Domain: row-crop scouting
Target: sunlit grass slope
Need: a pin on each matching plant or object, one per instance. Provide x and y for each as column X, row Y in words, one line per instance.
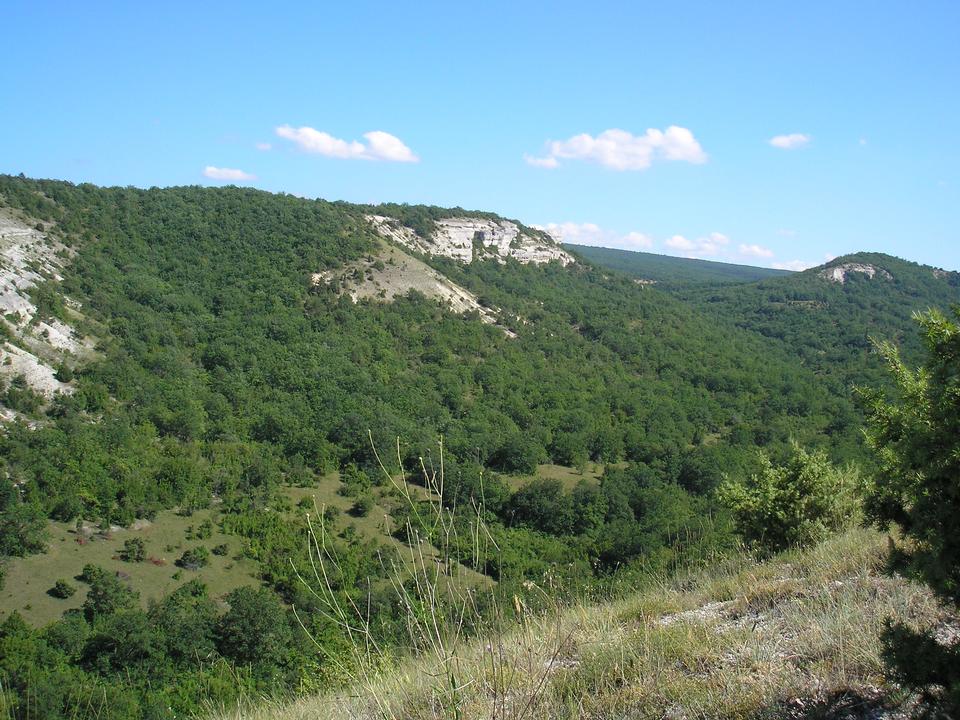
column 793, row 636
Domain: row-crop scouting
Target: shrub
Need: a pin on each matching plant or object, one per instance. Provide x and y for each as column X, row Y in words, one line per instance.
column 798, row 503
column 134, row 550
column 362, row 507
column 204, row 530
column 90, row 573
column 194, row 558
column 355, row 481
column 62, row 589
column 64, row 373
column 916, row 436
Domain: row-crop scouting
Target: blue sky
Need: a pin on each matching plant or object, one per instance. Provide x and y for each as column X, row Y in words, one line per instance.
column 510, row 106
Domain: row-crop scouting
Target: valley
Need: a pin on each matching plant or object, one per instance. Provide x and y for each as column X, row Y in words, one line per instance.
column 324, row 419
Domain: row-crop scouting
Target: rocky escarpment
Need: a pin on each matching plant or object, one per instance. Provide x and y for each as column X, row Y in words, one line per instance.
column 466, row 239
column 838, row 273
column 35, row 343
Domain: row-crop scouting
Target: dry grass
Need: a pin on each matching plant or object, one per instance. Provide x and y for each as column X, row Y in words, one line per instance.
column 792, row 636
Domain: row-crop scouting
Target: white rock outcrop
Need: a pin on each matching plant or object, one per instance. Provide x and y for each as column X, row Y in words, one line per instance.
column 838, row 273
column 28, row 257
column 467, row 239
column 392, row 273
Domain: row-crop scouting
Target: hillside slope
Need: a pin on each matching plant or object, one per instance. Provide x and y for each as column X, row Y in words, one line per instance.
column 826, row 316
column 668, row 270
column 795, row 636
column 254, row 348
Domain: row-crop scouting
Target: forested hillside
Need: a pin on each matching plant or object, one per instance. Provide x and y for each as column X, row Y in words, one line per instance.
column 827, row 316
column 668, row 270
column 226, row 374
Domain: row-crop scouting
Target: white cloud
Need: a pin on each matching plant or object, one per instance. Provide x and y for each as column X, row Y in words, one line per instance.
column 592, row 234
column 679, row 242
column 712, row 246
column 621, row 150
column 264, row 146
column 230, row 174
column 793, row 265
column 756, row 251
column 544, row 162
column 789, row 142
column 706, row 246
column 638, row 240
column 379, row 146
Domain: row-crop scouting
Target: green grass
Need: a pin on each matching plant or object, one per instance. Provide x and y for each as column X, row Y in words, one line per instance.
column 568, row 477
column 28, row 579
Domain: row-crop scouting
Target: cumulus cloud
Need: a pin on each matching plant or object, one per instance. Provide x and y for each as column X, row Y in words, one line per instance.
column 263, row 146
column 712, row 246
column 379, row 145
column 796, row 265
column 638, row 240
column 621, row 150
column 706, row 246
column 592, row 234
column 789, row 142
column 230, row 174
column 755, row 251
column 544, row 162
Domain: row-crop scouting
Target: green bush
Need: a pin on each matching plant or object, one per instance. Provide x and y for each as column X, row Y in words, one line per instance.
column 134, row 550
column 194, row 558
column 797, row 503
column 62, row 589
column 916, row 436
column 362, row 507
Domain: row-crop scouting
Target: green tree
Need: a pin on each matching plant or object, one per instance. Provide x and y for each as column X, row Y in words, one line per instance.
column 106, row 596
column 185, row 621
column 915, row 433
column 543, row 505
column 23, row 526
column 255, row 628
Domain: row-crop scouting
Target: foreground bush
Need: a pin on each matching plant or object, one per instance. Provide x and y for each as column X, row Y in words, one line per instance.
column 916, row 435
column 795, row 504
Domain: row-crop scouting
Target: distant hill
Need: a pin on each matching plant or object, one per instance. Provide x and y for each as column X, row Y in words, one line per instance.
column 827, row 315
column 665, row 269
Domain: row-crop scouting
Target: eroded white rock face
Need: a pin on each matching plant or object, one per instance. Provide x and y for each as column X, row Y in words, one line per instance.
column 28, row 257
column 392, row 273
column 468, row 239
column 16, row 361
column 838, row 273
